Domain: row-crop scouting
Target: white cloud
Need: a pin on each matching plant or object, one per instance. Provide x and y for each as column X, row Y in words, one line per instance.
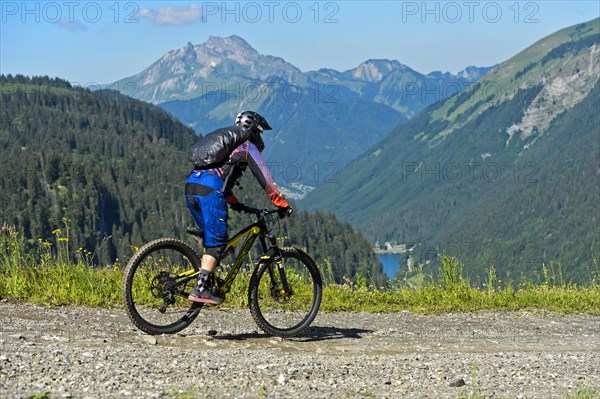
column 168, row 15
column 72, row 25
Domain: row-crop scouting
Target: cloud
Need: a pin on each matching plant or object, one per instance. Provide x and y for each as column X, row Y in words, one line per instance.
column 168, row 15
column 72, row 25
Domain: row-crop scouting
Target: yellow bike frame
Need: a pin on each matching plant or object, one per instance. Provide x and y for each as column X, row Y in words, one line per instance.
column 251, row 233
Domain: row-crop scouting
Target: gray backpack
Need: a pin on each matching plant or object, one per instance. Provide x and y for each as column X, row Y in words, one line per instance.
column 214, row 149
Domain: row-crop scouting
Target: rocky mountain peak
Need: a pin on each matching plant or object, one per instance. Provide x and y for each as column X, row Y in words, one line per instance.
column 188, row 71
column 473, row 73
column 180, row 73
column 228, row 45
column 374, row 70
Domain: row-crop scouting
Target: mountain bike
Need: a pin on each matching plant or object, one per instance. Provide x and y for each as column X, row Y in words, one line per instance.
column 284, row 292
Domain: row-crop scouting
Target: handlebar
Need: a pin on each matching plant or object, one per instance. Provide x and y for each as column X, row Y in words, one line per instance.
column 261, row 213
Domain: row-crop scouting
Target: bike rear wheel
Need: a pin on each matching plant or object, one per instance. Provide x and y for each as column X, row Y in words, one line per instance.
column 281, row 311
column 156, row 284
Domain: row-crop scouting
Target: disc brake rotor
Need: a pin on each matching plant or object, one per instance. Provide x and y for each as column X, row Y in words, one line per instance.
column 162, row 287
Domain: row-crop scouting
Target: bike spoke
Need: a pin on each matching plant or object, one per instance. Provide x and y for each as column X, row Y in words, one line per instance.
column 284, row 302
column 158, row 281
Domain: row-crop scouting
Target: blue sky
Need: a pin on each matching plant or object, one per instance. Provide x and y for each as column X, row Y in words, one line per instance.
column 90, row 42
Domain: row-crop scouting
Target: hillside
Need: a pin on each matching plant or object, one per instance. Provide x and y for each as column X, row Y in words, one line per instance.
column 322, row 120
column 108, row 171
column 503, row 174
column 309, row 142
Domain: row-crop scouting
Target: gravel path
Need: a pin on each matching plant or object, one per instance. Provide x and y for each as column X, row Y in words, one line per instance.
column 78, row 352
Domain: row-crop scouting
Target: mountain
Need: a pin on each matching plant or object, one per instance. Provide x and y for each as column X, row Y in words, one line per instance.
column 310, row 141
column 322, row 120
column 195, row 70
column 108, row 171
column 397, row 85
column 505, row 173
column 469, row 74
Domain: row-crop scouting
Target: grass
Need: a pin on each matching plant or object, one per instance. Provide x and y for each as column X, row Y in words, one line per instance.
column 44, row 274
column 39, row 395
column 187, row 393
column 473, row 390
column 583, row 393
column 449, row 291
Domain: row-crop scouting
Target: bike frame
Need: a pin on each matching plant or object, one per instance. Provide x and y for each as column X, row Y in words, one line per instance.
column 256, row 230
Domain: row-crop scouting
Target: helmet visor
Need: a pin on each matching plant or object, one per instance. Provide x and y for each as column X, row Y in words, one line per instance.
column 263, row 124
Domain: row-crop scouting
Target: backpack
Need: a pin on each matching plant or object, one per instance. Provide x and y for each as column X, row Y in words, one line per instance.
column 214, row 149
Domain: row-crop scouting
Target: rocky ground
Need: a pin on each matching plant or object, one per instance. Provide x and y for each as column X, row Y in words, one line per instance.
column 79, row 352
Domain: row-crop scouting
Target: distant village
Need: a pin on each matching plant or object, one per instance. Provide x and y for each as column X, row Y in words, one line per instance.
column 393, row 248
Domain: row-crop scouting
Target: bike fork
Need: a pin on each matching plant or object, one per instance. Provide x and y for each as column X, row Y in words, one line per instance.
column 275, row 267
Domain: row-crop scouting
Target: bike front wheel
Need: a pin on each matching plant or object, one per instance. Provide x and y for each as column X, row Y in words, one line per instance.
column 285, row 297
column 156, row 284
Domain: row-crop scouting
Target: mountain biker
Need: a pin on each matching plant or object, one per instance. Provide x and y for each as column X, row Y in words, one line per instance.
column 208, row 191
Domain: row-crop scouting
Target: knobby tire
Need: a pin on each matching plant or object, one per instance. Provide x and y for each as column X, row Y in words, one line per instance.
column 144, row 288
column 277, row 312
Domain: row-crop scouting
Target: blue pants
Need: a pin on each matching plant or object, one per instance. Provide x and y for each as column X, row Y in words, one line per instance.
column 207, row 204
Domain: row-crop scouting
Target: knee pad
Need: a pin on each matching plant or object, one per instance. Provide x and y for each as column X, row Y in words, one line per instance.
column 215, row 252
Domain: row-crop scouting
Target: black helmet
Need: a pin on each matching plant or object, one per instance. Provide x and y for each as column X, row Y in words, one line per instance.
column 254, row 122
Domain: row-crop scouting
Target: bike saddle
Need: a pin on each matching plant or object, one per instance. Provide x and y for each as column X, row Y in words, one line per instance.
column 196, row 231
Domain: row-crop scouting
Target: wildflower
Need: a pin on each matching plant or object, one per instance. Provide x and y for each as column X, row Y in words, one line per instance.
column 44, row 243
column 10, row 230
column 57, row 232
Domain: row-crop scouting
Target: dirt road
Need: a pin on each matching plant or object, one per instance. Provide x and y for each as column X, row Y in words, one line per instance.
column 82, row 352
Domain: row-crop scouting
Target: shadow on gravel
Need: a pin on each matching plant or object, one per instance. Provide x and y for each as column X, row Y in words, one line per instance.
column 241, row 337
column 311, row 335
column 327, row 333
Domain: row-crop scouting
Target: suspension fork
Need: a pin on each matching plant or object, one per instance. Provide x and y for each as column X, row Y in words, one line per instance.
column 275, row 265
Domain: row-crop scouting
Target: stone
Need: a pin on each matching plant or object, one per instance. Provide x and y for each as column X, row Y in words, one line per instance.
column 458, row 382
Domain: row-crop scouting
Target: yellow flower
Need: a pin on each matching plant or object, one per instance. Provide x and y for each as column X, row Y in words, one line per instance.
column 56, row 232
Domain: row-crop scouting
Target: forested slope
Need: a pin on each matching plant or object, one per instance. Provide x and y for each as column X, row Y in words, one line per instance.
column 504, row 174
column 108, row 171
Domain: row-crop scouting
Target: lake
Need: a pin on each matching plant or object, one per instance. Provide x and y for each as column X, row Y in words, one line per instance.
column 391, row 264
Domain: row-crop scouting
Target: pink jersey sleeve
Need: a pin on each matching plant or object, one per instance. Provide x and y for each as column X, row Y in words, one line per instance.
column 262, row 173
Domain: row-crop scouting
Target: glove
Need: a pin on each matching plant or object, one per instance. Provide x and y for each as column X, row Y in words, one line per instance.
column 284, row 211
column 238, row 207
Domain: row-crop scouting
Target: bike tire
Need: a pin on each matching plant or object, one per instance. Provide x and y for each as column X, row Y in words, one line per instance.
column 145, row 292
column 276, row 312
